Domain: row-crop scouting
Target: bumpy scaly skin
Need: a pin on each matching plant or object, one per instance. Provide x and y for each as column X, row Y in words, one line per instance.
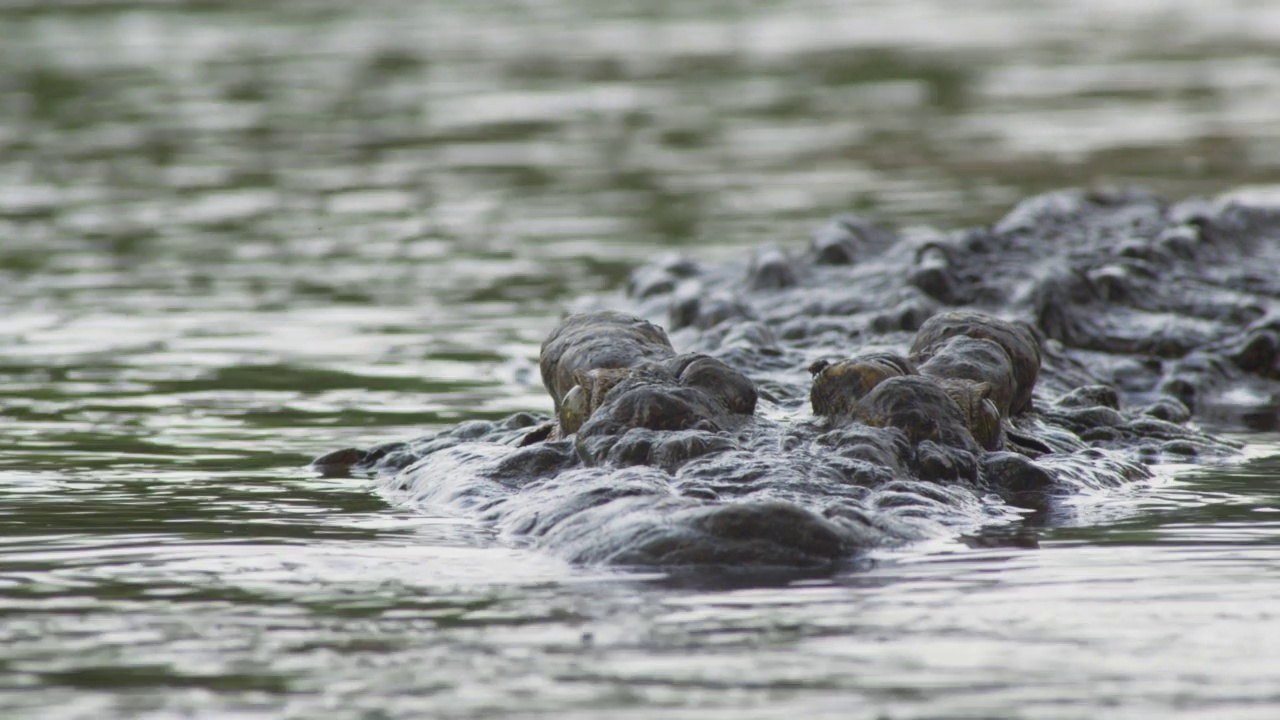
column 598, row 341
column 838, row 386
column 937, row 340
column 1060, row 349
column 979, row 361
column 622, row 386
column 590, row 389
column 981, row 415
column 918, row 406
column 974, row 373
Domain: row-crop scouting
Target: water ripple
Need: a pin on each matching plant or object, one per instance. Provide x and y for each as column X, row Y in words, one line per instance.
column 236, row 235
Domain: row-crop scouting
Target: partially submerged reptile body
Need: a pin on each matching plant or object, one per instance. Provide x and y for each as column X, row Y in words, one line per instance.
column 874, row 388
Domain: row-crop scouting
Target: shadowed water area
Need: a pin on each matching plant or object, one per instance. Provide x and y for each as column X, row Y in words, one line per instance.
column 236, row 235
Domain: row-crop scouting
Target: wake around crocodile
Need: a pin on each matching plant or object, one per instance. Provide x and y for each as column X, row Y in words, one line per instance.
column 874, row 388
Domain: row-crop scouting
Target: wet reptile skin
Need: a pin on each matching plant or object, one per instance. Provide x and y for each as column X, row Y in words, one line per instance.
column 873, row 388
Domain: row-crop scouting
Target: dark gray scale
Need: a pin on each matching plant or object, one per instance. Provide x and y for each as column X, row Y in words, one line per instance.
column 597, row 340
column 1017, row 340
column 920, row 408
column 622, row 370
column 837, row 387
column 730, row 388
column 981, row 415
column 977, row 360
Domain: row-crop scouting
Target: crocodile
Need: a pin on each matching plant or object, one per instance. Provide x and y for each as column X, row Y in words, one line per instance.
column 875, row 387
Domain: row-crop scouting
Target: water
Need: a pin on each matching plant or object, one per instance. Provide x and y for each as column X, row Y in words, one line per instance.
column 235, row 235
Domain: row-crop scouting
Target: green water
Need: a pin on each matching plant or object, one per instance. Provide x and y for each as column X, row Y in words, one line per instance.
column 235, row 235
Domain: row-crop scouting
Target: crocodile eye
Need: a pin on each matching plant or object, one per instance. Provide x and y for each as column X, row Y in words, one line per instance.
column 573, row 410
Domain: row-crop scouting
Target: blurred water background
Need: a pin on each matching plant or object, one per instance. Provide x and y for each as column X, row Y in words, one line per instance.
column 237, row 234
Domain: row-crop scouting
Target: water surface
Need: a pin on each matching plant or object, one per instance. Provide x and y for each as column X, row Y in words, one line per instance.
column 235, row 235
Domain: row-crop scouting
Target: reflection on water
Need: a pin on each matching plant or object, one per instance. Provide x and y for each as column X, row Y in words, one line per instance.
column 312, row 602
column 234, row 235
